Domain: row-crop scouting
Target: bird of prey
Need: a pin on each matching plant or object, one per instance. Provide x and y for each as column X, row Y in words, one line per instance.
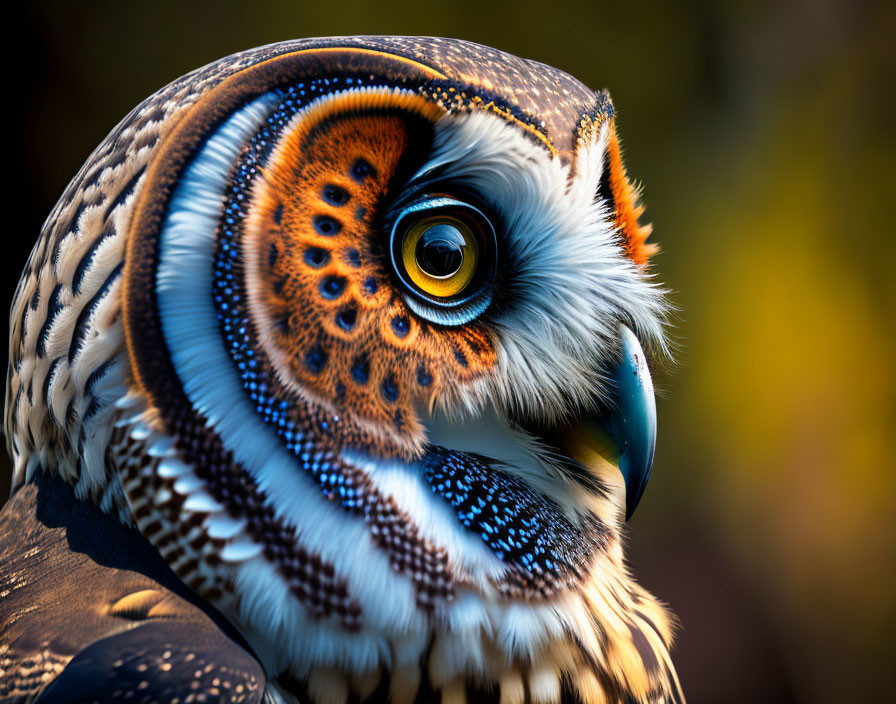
column 328, row 384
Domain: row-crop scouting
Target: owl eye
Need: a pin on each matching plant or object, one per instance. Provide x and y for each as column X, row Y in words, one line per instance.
column 443, row 251
column 440, row 255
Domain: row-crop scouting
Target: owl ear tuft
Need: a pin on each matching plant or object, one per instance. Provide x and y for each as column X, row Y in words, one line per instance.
column 625, row 199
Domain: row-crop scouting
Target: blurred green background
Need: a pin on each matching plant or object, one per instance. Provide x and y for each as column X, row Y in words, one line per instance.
column 765, row 136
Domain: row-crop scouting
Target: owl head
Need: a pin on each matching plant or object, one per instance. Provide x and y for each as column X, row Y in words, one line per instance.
column 352, row 331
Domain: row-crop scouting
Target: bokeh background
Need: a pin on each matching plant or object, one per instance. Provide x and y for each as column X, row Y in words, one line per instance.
column 765, row 136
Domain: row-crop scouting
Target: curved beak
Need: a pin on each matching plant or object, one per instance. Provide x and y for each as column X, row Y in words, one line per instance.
column 632, row 424
column 624, row 437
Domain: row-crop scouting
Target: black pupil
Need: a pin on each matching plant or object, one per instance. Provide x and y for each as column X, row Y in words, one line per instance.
column 440, row 250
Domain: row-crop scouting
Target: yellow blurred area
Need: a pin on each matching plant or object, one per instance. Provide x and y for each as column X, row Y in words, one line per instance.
column 765, row 136
column 790, row 371
column 785, row 409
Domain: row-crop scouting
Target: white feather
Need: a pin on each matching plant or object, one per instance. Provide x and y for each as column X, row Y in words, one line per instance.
column 222, row 526
column 203, row 502
column 170, row 468
column 240, row 551
column 573, row 281
column 187, row 484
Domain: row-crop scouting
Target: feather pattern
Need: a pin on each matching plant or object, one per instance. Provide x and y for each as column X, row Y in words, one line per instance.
column 317, row 478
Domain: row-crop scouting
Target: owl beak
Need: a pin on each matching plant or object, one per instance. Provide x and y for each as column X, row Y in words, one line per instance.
column 625, row 436
column 633, row 422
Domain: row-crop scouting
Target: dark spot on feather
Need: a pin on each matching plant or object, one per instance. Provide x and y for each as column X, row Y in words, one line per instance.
column 326, row 225
column 389, row 388
column 335, row 195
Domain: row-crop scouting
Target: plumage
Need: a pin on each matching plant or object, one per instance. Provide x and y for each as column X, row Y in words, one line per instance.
column 349, row 336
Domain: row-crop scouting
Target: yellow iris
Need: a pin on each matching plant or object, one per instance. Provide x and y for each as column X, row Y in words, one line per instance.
column 440, row 254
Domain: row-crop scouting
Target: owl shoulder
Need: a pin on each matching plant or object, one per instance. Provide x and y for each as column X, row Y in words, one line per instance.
column 90, row 612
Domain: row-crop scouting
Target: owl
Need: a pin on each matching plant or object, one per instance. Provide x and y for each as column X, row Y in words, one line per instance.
column 328, row 384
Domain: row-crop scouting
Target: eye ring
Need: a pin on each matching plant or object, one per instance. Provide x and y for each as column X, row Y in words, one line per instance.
column 443, row 251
